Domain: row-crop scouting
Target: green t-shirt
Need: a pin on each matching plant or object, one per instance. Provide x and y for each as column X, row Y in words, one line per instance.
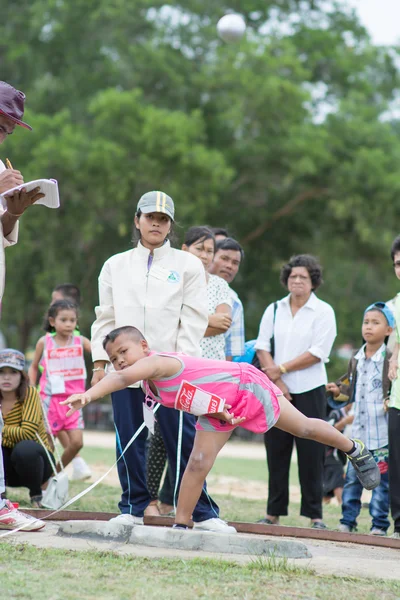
column 395, row 393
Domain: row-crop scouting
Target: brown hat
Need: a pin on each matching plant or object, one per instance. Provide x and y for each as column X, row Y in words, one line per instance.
column 12, row 104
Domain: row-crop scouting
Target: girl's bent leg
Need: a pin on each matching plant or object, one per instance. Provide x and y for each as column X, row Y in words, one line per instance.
column 207, row 445
column 75, row 444
column 294, row 422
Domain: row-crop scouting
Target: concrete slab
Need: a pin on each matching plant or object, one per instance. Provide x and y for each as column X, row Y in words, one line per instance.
column 191, row 540
column 328, row 558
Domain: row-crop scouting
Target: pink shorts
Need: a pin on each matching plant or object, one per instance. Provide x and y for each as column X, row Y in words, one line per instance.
column 256, row 399
column 57, row 416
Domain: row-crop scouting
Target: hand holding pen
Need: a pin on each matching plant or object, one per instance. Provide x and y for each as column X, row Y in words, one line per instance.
column 10, row 178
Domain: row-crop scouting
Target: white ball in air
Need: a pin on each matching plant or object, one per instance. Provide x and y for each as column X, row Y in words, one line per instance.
column 231, row 28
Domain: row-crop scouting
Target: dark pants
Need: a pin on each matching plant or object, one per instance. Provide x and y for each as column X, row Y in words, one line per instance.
column 128, row 416
column 155, row 466
column 394, row 465
column 26, row 465
column 310, row 457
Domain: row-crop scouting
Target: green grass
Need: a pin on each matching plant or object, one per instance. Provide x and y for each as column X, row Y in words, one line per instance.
column 92, row 575
column 106, row 497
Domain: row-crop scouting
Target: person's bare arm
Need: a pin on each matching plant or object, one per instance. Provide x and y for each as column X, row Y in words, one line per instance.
column 34, row 368
column 267, row 363
column 86, row 345
column 152, row 367
column 220, row 321
column 393, row 363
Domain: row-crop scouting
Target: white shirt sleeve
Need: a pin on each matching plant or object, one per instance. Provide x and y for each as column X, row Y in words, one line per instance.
column 223, row 293
column 323, row 334
column 266, row 330
column 194, row 311
column 105, row 317
column 12, row 237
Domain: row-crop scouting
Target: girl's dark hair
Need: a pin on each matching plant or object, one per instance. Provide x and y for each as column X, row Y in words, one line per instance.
column 199, row 233
column 53, row 311
column 395, row 247
column 22, row 389
column 136, row 237
column 303, row 260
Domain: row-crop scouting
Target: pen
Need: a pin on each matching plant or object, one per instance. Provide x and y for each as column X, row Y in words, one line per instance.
column 8, row 164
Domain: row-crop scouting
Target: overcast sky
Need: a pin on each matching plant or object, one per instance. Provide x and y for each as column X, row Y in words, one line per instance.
column 381, row 18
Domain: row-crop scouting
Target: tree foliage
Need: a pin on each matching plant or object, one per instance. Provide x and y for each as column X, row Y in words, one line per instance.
column 284, row 139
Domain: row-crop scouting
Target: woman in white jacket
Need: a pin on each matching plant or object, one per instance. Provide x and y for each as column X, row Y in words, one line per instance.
column 161, row 291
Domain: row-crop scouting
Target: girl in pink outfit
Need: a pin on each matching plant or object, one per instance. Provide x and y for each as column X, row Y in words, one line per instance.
column 224, row 395
column 61, row 354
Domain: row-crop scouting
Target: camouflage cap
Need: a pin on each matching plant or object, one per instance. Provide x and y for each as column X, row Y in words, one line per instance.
column 13, row 359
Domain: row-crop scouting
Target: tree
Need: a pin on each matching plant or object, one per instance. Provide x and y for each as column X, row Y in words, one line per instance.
column 280, row 138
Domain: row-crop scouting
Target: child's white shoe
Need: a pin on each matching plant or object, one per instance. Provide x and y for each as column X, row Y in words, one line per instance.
column 126, row 519
column 81, row 470
column 217, row 525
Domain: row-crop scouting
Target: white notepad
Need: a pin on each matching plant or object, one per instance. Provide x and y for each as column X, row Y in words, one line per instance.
column 48, row 187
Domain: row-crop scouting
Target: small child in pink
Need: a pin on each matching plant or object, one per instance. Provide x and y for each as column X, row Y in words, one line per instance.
column 224, row 395
column 64, row 373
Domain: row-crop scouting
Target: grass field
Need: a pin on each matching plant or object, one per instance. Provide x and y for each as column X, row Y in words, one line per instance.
column 105, row 497
column 27, row 573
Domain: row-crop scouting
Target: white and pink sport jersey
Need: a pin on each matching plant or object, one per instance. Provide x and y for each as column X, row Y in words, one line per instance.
column 64, row 368
column 249, row 391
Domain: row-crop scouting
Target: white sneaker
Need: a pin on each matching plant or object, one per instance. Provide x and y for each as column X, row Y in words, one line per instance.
column 395, row 535
column 378, row 531
column 81, row 470
column 345, row 528
column 11, row 518
column 216, row 524
column 125, row 519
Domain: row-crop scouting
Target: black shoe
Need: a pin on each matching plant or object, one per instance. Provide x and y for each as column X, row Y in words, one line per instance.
column 319, row 525
column 366, row 468
column 36, row 501
column 267, row 521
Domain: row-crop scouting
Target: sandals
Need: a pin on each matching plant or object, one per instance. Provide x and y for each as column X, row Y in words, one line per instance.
column 36, row 502
column 267, row 521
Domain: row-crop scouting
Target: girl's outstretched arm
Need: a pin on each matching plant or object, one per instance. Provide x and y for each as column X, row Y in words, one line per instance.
column 34, row 368
column 151, row 367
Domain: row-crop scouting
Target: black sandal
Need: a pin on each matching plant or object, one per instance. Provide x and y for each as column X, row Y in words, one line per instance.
column 36, row 501
column 267, row 521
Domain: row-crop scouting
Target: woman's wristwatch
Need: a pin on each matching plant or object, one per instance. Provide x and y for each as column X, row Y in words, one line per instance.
column 282, row 369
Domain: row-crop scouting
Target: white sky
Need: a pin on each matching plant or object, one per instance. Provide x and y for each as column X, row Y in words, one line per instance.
column 381, row 18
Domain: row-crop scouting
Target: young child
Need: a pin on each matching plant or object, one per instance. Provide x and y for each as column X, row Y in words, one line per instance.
column 69, row 291
column 64, row 373
column 394, row 405
column 250, row 400
column 368, row 388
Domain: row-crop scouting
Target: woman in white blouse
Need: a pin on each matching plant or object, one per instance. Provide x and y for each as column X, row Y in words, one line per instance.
column 200, row 241
column 301, row 330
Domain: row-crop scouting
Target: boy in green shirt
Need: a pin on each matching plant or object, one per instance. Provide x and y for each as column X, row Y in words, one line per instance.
column 394, row 406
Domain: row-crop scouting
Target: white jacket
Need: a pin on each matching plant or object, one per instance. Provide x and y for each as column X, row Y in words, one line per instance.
column 4, row 242
column 167, row 303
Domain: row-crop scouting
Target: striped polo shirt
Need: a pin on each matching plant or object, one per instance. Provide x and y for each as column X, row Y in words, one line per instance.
column 24, row 420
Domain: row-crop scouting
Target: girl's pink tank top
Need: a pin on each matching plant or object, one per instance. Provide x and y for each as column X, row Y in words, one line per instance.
column 64, row 363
